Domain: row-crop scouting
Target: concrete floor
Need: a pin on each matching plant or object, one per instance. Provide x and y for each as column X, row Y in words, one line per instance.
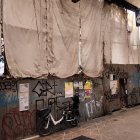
column 121, row 125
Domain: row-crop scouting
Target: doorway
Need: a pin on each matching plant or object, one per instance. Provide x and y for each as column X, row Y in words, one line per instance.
column 123, row 92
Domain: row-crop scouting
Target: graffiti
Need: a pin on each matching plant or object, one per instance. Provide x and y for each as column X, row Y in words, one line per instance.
column 43, row 88
column 16, row 124
column 8, row 85
column 56, row 101
column 8, row 100
column 118, row 72
column 93, row 107
column 135, row 79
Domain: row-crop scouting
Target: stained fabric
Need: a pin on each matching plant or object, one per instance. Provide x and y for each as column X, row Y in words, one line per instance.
column 58, row 36
column 65, row 37
column 115, row 36
column 91, row 47
column 25, row 37
column 120, row 36
column 133, row 39
column 106, row 34
column 41, row 37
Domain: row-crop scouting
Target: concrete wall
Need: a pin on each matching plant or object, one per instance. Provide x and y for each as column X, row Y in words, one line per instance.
column 132, row 85
column 17, row 125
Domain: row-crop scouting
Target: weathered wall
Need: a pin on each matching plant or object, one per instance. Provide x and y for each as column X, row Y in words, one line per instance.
column 113, row 102
column 17, row 125
column 132, row 86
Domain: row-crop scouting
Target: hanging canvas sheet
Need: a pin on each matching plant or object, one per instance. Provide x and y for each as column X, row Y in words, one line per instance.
column 133, row 39
column 91, row 47
column 41, row 37
column 25, row 37
column 120, row 36
column 114, row 33
column 65, row 37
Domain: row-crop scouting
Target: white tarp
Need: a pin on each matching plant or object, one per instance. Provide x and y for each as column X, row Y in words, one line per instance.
column 133, row 39
column 115, row 37
column 42, row 36
column 65, row 37
column 92, row 47
column 25, row 37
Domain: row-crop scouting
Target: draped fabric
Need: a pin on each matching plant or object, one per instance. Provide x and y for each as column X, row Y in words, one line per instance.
column 119, row 43
column 65, row 37
column 59, row 36
column 115, row 36
column 41, row 37
column 120, row 36
column 25, row 37
column 134, row 39
column 106, row 34
column 92, row 47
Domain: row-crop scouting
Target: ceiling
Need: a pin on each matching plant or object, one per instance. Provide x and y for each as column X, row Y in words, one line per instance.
column 134, row 2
